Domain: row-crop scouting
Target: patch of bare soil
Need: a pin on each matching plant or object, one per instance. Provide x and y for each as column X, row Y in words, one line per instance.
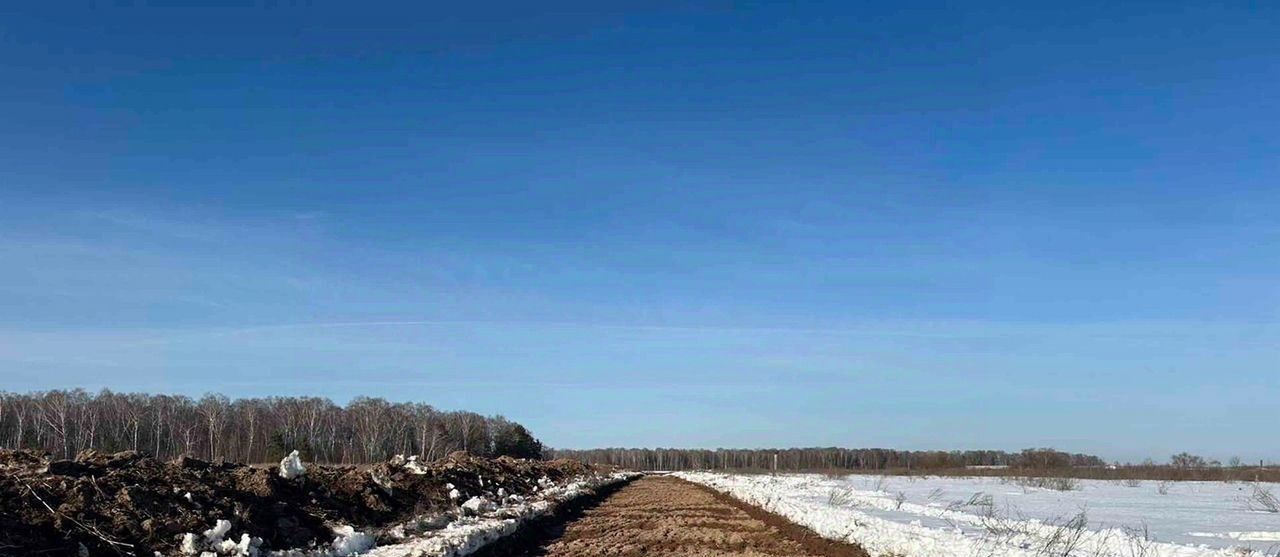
column 130, row 504
column 666, row 516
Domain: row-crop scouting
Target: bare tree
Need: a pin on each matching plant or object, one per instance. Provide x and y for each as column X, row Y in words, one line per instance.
column 1187, row 460
column 53, row 413
column 248, row 430
column 213, row 408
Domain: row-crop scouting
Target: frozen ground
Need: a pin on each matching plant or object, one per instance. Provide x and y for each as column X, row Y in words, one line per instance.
column 923, row 517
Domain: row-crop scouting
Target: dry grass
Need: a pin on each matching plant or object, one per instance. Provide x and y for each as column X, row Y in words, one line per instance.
column 1262, row 499
column 1056, row 483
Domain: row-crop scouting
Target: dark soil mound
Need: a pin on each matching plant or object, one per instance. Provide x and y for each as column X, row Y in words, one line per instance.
column 130, row 504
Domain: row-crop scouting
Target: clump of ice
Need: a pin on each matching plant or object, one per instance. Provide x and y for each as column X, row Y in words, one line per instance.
column 384, row 483
column 350, row 542
column 220, row 529
column 478, row 505
column 409, row 463
column 188, row 546
column 212, row 543
column 413, row 466
column 291, row 466
column 246, row 547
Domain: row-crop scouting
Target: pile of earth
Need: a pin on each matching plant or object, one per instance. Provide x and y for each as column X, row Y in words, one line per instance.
column 130, row 504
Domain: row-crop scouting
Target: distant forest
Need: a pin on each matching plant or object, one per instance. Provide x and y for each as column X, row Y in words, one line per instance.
column 252, row 429
column 812, row 459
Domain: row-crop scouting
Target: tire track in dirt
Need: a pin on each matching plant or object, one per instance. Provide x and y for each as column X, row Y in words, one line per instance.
column 666, row 516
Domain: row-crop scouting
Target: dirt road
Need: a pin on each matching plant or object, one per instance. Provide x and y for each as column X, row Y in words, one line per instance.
column 665, row 516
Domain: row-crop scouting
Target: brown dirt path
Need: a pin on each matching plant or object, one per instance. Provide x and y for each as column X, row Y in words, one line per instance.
column 669, row 517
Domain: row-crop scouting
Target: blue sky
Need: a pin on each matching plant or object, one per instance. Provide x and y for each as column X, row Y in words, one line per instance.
column 912, row 225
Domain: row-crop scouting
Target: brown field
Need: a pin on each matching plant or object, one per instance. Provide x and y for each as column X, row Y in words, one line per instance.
column 665, row 516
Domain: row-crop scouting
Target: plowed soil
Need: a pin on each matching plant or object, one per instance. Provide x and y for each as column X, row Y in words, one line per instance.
column 128, row 504
column 665, row 516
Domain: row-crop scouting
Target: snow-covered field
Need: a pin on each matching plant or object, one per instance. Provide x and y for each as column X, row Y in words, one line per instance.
column 991, row 517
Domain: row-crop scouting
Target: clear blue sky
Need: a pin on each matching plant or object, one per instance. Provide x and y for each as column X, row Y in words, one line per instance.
column 885, row 224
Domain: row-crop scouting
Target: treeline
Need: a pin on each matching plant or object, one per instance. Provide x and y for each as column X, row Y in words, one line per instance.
column 251, row 429
column 828, row 458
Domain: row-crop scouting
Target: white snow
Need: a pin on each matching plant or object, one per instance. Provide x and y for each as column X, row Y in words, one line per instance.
column 988, row 517
column 188, row 546
column 291, row 466
column 410, row 463
column 351, row 542
column 213, row 543
column 1242, row 536
column 214, row 535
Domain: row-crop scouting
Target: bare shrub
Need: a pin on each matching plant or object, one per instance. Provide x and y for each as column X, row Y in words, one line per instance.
column 839, row 497
column 882, row 483
column 1065, row 484
column 899, row 500
column 935, row 494
column 1263, row 500
column 1163, row 487
column 1065, row 538
column 980, row 499
column 1132, row 482
column 1001, row 528
column 1139, row 541
column 1054, row 483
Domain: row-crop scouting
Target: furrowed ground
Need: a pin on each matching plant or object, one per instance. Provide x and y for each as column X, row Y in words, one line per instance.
column 662, row 515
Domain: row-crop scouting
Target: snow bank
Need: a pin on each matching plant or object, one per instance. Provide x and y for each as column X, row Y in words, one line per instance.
column 986, row 524
column 477, row 522
column 291, row 467
column 466, row 534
